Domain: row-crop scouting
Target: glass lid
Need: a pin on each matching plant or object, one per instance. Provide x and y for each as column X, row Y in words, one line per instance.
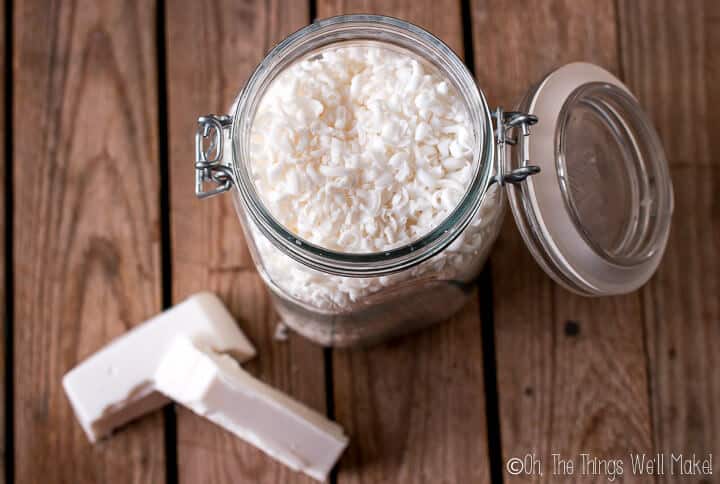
column 597, row 216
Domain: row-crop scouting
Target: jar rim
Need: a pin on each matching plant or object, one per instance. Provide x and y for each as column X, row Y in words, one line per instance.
column 385, row 30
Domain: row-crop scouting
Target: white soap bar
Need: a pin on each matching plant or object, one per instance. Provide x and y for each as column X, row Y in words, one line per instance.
column 216, row 387
column 115, row 385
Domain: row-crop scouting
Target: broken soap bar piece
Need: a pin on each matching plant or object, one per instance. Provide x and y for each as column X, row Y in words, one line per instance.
column 216, row 387
column 115, row 385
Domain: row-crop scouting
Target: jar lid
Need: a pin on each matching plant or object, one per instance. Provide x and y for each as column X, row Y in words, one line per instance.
column 597, row 215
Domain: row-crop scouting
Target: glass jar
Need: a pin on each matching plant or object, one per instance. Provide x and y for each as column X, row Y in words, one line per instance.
column 595, row 213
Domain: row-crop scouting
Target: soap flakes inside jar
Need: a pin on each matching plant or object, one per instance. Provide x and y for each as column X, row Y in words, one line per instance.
column 363, row 148
column 339, row 134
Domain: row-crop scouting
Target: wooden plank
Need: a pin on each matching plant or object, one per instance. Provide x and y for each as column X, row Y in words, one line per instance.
column 671, row 61
column 86, row 241
column 212, row 48
column 415, row 407
column 571, row 371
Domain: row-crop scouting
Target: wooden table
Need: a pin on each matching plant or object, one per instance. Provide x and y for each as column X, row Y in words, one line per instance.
column 103, row 230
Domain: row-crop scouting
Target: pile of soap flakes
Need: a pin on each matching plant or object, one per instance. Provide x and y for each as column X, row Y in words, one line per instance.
column 361, row 149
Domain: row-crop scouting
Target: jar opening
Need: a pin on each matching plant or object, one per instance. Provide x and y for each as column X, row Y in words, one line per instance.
column 394, row 34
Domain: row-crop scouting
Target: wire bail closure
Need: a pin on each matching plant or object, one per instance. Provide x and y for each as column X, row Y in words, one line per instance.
column 209, row 166
column 506, row 121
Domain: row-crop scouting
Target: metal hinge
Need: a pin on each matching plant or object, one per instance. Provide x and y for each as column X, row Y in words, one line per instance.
column 209, row 166
column 505, row 122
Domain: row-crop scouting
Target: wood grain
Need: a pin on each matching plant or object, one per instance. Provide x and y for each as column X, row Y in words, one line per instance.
column 571, row 371
column 212, row 48
column 672, row 63
column 415, row 408
column 86, row 238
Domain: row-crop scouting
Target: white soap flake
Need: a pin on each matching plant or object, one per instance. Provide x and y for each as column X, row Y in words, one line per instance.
column 422, row 131
column 426, row 178
column 333, row 171
column 453, row 163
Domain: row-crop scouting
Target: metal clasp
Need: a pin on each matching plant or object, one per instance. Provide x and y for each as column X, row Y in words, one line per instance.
column 505, row 122
column 209, row 166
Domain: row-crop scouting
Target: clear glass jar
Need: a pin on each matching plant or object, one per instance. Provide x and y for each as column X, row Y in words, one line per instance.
column 344, row 299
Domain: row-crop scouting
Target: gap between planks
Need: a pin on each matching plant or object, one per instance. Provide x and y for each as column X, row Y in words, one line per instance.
column 169, row 416
column 486, row 303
